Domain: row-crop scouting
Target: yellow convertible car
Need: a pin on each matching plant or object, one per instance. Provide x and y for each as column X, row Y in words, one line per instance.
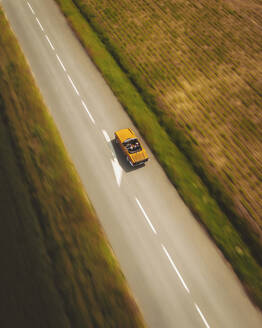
column 131, row 147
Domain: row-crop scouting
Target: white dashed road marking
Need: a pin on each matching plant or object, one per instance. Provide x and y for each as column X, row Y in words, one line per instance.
column 106, row 135
column 118, row 171
column 85, row 107
column 202, row 316
column 32, row 10
column 145, row 215
column 39, row 24
column 60, row 62
column 73, row 85
column 175, row 268
column 50, row 43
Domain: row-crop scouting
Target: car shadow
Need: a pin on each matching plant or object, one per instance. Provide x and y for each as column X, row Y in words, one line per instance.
column 122, row 160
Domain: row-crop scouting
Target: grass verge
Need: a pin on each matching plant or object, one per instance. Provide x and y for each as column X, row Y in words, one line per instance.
column 175, row 164
column 57, row 268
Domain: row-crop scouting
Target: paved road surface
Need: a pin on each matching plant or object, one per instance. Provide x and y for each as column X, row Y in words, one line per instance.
column 177, row 275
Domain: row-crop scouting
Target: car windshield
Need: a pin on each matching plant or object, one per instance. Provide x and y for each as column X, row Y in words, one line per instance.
column 132, row 145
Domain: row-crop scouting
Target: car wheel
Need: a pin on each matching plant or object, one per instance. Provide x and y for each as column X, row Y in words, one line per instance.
column 128, row 160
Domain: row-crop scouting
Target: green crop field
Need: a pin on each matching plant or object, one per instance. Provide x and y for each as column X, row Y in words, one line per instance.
column 57, row 267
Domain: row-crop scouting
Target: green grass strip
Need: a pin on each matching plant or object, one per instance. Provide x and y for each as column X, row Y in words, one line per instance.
column 57, row 268
column 175, row 164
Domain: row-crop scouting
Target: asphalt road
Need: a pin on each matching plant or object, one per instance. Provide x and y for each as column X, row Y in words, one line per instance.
column 177, row 275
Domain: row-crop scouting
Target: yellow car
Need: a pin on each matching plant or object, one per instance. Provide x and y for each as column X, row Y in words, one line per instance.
column 131, row 147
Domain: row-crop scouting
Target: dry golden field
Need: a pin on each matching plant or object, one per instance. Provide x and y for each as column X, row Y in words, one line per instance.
column 202, row 60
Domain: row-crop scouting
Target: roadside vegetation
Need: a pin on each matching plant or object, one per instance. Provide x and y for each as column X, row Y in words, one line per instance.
column 57, row 268
column 191, row 86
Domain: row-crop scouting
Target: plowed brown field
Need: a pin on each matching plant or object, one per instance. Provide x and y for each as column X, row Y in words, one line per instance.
column 202, row 61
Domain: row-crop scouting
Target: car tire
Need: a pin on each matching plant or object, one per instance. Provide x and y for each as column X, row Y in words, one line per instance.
column 128, row 160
